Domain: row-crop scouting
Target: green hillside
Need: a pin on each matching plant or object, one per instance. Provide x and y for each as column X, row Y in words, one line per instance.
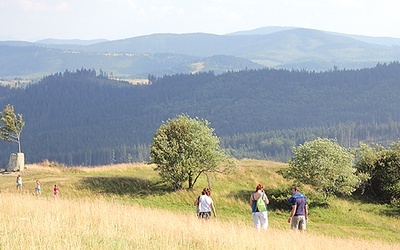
column 139, row 184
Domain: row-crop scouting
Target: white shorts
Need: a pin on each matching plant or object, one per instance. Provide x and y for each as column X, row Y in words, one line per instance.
column 260, row 220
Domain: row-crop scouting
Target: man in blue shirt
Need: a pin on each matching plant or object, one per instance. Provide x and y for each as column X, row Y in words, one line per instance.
column 299, row 213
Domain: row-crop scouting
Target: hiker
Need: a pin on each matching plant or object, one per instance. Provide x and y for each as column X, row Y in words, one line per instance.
column 197, row 203
column 38, row 188
column 19, row 183
column 56, row 191
column 206, row 205
column 299, row 213
column 258, row 204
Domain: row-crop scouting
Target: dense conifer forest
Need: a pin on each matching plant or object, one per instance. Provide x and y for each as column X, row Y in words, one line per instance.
column 84, row 118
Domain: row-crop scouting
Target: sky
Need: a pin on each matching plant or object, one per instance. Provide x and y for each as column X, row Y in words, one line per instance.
column 33, row 20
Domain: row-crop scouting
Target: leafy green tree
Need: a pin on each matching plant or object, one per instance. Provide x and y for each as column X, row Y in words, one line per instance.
column 184, row 148
column 325, row 165
column 382, row 166
column 13, row 125
column 387, row 175
column 366, row 161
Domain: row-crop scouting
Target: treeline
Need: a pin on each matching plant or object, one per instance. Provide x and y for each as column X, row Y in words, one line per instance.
column 84, row 118
column 278, row 144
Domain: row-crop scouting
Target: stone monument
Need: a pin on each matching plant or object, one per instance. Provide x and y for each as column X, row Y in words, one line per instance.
column 16, row 162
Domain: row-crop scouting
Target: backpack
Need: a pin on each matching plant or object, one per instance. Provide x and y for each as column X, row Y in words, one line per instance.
column 261, row 206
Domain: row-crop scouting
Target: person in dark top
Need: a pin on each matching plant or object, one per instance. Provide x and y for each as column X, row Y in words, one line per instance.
column 299, row 213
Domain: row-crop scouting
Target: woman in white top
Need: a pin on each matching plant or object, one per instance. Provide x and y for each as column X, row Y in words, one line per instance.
column 19, row 183
column 206, row 205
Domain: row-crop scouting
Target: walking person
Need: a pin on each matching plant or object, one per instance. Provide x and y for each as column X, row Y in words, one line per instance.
column 56, row 191
column 38, row 188
column 197, row 202
column 206, row 205
column 299, row 213
column 19, row 183
column 258, row 203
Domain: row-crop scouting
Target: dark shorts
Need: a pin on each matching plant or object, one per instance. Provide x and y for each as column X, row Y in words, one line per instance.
column 204, row 215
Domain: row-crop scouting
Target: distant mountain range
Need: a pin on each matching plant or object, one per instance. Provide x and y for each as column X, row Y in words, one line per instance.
column 160, row 54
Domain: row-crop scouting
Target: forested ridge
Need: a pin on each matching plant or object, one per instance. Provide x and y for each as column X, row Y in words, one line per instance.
column 84, row 118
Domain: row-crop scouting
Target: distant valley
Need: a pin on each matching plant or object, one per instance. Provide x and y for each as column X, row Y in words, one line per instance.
column 160, row 54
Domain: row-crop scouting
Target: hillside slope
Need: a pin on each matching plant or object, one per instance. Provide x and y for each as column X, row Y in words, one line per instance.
column 138, row 185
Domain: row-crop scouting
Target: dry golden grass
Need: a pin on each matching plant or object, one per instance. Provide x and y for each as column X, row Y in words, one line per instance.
column 31, row 222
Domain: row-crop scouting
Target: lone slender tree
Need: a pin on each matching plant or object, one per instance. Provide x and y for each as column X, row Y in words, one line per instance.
column 13, row 125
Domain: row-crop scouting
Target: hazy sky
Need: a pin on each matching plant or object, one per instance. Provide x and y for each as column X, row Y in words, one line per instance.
column 32, row 20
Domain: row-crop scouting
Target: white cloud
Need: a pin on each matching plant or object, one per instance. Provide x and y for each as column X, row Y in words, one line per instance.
column 31, row 5
column 220, row 12
column 63, row 6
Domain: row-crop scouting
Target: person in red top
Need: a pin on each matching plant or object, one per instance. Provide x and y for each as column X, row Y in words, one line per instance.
column 56, row 190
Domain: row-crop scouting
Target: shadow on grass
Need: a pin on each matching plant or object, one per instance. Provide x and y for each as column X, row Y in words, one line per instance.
column 392, row 211
column 277, row 199
column 383, row 208
column 132, row 186
column 274, row 196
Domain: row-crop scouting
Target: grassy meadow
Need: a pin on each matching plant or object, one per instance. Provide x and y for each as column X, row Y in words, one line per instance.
column 126, row 207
